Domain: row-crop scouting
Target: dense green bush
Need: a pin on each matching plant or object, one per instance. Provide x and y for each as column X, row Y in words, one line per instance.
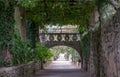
column 6, row 28
column 23, row 52
column 85, row 44
column 43, row 52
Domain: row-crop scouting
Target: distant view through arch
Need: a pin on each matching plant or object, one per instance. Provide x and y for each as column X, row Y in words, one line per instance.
column 68, row 52
column 65, row 54
column 65, row 39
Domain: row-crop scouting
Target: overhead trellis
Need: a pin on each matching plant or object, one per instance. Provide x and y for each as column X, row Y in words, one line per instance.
column 62, row 12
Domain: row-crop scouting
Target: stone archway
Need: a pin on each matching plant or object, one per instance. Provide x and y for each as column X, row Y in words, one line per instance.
column 65, row 39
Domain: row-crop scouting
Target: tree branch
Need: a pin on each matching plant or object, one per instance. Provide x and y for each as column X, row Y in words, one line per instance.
column 114, row 4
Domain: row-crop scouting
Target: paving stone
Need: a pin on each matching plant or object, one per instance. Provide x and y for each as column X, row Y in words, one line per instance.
column 61, row 69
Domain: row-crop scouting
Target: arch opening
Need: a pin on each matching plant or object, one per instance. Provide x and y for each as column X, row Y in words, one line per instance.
column 66, row 53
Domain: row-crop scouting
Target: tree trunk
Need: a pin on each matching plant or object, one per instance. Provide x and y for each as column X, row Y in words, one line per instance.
column 42, row 67
column 95, row 44
column 37, row 33
column 17, row 18
column 23, row 24
column 110, row 36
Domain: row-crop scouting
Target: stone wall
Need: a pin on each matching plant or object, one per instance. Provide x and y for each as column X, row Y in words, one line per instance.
column 25, row 70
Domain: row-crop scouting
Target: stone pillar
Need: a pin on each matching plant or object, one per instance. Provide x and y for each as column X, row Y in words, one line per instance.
column 20, row 19
column 23, row 24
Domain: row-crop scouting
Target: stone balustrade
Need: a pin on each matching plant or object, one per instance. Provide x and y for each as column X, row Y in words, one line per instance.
column 59, row 37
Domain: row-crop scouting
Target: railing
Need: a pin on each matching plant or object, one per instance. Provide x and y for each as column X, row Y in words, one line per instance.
column 44, row 37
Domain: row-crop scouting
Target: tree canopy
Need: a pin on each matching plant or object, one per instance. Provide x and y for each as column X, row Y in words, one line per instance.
column 62, row 12
column 58, row 12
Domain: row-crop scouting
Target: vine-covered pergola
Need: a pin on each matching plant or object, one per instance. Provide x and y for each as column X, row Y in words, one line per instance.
column 20, row 21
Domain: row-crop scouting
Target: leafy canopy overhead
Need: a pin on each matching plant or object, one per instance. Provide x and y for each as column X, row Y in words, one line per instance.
column 62, row 12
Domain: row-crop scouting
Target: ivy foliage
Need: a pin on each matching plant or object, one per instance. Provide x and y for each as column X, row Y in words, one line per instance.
column 100, row 3
column 31, row 33
column 85, row 44
column 6, row 26
column 54, row 12
column 23, row 52
column 6, row 23
column 27, row 3
column 42, row 12
column 74, row 12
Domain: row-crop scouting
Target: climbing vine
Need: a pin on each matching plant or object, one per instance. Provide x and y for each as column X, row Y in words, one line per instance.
column 65, row 12
column 59, row 12
column 6, row 26
column 85, row 44
column 43, row 12
column 75, row 12
column 24, row 52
